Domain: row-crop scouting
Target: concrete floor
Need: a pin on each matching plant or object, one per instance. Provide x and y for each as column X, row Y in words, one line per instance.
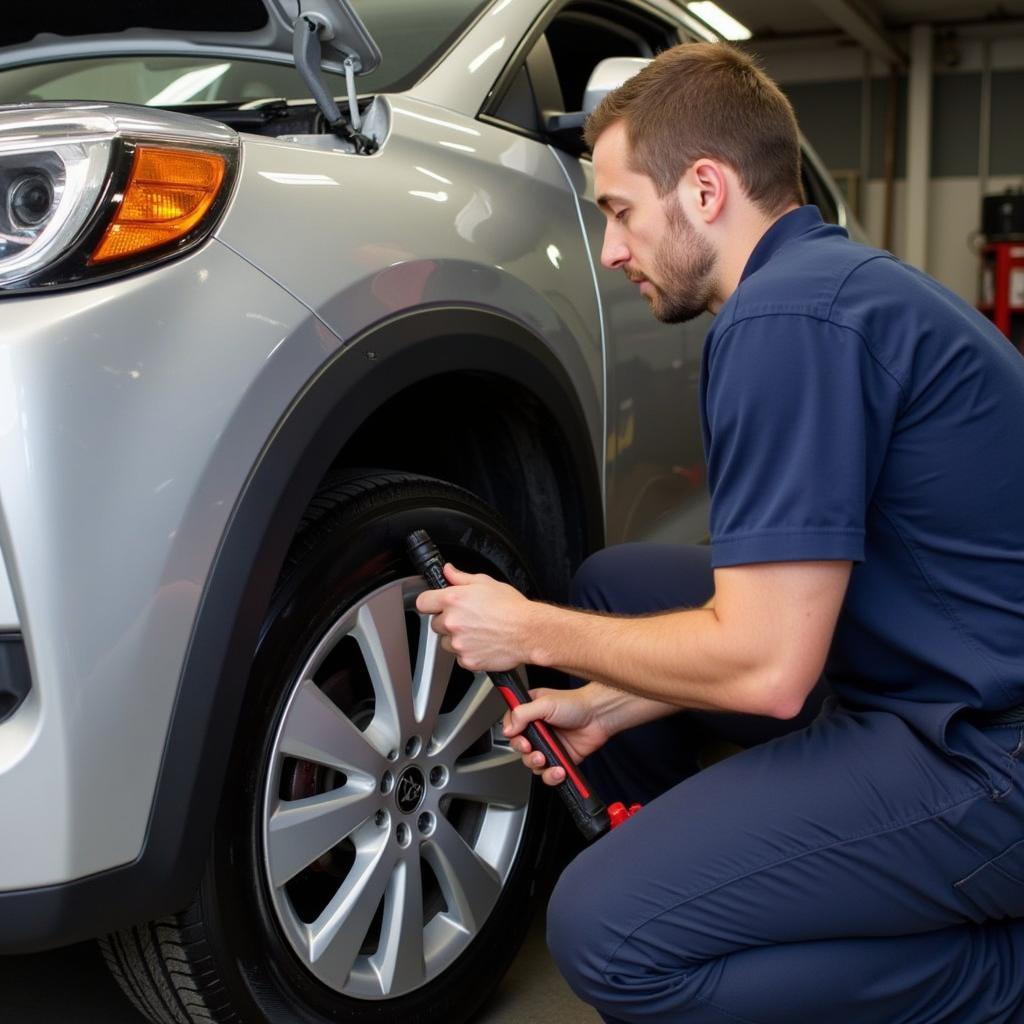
column 533, row 991
column 72, row 986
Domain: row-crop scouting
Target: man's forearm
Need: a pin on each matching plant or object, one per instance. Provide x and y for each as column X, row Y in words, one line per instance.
column 620, row 709
column 686, row 659
column 758, row 647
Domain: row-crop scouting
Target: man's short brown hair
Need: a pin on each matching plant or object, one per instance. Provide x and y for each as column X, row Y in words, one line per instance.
column 707, row 100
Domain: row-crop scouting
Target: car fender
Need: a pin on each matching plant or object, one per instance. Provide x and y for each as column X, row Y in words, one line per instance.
column 355, row 380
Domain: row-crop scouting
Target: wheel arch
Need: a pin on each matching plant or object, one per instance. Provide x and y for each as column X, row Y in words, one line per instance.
column 329, row 423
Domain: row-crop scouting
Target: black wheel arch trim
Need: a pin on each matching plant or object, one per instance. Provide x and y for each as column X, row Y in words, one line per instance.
column 369, row 370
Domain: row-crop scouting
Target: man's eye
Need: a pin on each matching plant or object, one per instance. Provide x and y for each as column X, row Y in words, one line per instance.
column 621, row 216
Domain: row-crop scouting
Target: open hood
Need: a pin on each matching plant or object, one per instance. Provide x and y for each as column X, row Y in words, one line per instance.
column 242, row 29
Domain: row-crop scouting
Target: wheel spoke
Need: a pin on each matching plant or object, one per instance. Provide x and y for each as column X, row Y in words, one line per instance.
column 497, row 777
column 383, row 639
column 316, row 730
column 475, row 714
column 302, row 830
column 400, row 959
column 469, row 884
column 338, row 933
column 434, row 667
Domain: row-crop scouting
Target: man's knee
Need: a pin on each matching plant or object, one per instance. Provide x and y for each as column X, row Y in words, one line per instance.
column 606, row 962
column 638, row 578
column 578, row 932
column 589, row 586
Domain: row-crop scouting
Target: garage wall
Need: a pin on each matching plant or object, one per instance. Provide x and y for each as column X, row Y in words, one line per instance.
column 841, row 98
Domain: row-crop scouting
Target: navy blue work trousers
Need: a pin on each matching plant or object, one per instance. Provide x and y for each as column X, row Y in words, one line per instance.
column 845, row 871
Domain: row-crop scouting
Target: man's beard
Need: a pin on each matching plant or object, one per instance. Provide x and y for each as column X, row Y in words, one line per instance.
column 684, row 263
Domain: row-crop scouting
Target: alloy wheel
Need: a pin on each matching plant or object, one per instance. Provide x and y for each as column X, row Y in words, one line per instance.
column 392, row 808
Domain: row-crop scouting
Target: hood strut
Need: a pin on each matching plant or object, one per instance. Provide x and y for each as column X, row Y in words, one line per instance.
column 311, row 30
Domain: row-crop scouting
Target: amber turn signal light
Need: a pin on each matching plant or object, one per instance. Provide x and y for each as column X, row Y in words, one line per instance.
column 169, row 191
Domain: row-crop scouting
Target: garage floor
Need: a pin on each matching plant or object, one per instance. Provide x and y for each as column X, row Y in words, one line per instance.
column 533, row 991
column 71, row 986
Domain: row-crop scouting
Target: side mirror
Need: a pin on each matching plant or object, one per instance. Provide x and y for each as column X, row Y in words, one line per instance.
column 606, row 77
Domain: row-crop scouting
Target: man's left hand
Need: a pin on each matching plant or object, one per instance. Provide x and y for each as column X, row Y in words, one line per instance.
column 484, row 623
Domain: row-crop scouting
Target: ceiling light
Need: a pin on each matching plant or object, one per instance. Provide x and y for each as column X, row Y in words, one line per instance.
column 724, row 24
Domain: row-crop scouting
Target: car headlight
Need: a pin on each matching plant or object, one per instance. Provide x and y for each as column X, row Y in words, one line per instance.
column 94, row 192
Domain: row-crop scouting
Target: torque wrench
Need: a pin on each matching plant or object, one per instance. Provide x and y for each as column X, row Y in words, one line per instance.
column 587, row 809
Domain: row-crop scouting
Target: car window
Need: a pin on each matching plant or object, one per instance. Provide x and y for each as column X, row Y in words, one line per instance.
column 153, row 81
column 818, row 193
column 582, row 36
column 411, row 37
column 554, row 75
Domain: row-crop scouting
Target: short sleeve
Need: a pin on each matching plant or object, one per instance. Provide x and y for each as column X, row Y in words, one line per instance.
column 798, row 417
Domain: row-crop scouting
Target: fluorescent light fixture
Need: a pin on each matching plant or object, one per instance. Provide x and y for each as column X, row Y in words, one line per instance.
column 724, row 24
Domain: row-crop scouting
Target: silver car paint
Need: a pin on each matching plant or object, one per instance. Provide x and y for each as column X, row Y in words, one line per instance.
column 8, row 612
column 464, row 79
column 490, row 223
column 138, row 409
column 99, row 121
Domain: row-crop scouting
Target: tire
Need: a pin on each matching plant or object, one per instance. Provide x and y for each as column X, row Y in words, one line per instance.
column 374, row 859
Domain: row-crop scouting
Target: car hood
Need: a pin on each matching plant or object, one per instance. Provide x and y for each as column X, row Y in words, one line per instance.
column 243, row 29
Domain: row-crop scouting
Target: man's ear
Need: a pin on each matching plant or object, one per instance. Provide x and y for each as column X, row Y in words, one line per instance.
column 706, row 185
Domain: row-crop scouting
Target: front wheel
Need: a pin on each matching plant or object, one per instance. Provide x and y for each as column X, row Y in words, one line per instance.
column 379, row 840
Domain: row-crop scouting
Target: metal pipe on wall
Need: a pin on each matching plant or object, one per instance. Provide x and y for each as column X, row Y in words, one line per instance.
column 865, row 138
column 890, row 157
column 919, row 146
column 985, row 118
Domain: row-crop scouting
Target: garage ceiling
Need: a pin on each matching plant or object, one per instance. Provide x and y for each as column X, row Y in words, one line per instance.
column 803, row 17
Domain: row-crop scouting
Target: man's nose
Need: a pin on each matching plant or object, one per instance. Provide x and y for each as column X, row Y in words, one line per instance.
column 614, row 252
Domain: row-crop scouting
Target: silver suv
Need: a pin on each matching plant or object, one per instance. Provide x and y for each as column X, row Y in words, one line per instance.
column 252, row 336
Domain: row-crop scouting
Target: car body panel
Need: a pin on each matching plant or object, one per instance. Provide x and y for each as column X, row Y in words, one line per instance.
column 332, row 405
column 465, row 78
column 9, row 621
column 139, row 408
column 494, row 227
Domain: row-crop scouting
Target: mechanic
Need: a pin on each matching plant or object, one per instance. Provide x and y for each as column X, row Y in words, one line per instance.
column 864, row 432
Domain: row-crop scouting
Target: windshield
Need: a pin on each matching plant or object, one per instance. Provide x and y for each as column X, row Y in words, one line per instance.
column 411, row 34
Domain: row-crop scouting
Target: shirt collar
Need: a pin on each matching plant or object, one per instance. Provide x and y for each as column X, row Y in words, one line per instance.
column 788, row 226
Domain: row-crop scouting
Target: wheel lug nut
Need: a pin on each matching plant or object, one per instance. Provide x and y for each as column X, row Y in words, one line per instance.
column 426, row 823
column 387, row 783
column 438, row 776
column 380, row 819
column 403, row 834
column 412, row 747
column 392, row 755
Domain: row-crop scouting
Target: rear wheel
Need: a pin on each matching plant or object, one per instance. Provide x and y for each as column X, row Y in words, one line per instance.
column 379, row 840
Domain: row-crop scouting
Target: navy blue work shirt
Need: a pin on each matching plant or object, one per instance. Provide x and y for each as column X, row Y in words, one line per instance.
column 853, row 408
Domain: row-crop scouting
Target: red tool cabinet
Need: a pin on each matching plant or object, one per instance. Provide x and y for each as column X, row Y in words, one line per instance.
column 1002, row 288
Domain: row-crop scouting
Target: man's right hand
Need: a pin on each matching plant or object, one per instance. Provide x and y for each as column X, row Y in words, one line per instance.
column 576, row 714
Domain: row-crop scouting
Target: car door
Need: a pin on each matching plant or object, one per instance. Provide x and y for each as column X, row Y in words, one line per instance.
column 655, row 478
